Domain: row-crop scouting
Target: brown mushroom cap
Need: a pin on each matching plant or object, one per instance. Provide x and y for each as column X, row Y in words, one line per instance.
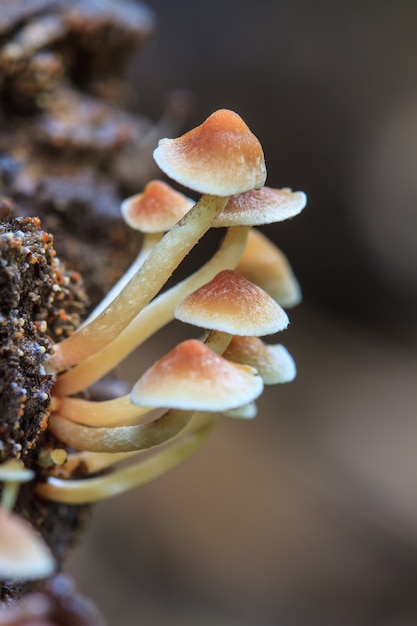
column 156, row 209
column 232, row 304
column 265, row 265
column 23, row 554
column 193, row 377
column 220, row 157
column 273, row 362
column 261, row 206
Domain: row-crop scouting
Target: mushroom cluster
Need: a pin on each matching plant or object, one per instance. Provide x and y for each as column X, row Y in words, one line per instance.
column 236, row 297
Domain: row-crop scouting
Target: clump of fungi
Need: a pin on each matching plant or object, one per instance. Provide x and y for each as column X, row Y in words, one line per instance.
column 173, row 407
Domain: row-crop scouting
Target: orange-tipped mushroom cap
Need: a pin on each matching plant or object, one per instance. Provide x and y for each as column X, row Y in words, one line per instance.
column 220, row 157
column 232, row 304
column 274, row 363
column 23, row 554
column 261, row 206
column 156, row 209
column 193, row 377
column 265, row 265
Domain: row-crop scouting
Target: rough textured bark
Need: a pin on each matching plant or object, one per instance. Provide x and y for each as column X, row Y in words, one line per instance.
column 67, row 144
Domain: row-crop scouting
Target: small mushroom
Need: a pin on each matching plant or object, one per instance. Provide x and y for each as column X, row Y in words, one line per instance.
column 273, row 362
column 23, row 553
column 265, row 265
column 194, row 377
column 231, row 305
column 221, row 157
column 12, row 474
column 157, row 209
column 261, row 206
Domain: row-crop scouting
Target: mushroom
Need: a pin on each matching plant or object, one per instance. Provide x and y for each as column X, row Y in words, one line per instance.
column 194, row 377
column 273, row 362
column 12, row 474
column 152, row 212
column 261, row 206
column 157, row 209
column 231, row 305
column 153, row 317
column 265, row 265
column 127, row 478
column 23, row 553
column 219, row 158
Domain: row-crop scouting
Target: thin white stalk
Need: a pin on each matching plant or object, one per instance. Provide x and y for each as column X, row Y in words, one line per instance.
column 218, row 341
column 149, row 242
column 9, row 495
column 125, row 479
column 153, row 317
column 94, row 462
column 121, row 438
column 109, row 413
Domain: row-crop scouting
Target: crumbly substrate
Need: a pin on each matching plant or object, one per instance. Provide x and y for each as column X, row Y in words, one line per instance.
column 40, row 303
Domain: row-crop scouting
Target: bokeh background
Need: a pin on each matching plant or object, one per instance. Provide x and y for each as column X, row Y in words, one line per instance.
column 306, row 516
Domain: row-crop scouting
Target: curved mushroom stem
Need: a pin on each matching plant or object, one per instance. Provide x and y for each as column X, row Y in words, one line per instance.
column 149, row 242
column 9, row 495
column 144, row 285
column 92, row 462
column 121, row 438
column 120, row 481
column 153, row 317
column 109, row 413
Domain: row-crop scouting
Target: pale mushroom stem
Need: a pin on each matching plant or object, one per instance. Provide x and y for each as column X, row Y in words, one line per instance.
column 9, row 495
column 144, row 285
column 125, row 479
column 218, row 341
column 94, row 462
column 121, row 438
column 149, row 242
column 116, row 412
column 153, row 317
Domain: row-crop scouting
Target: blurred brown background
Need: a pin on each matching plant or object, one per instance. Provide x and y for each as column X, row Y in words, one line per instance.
column 306, row 516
